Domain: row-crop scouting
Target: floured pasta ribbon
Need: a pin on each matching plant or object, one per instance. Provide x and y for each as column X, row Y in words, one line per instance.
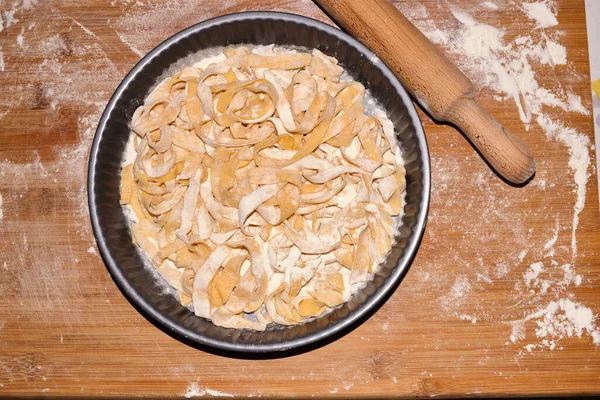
column 263, row 192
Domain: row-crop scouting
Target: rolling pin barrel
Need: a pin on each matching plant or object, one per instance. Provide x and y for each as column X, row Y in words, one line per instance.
column 438, row 85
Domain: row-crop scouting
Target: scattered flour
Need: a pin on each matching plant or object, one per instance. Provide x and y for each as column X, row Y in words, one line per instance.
column 216, row 393
column 133, row 48
column 438, row 37
column 51, row 65
column 142, row 28
column 549, row 245
column 466, row 317
column 86, row 30
column 1, row 213
column 579, row 162
column 461, row 287
column 28, row 4
column 53, row 46
column 522, row 255
column 458, row 293
column 9, row 16
column 194, row 390
column 2, row 65
column 558, row 320
column 534, row 270
column 541, row 13
column 570, row 277
column 512, row 77
column 413, row 10
column 518, row 331
column 506, row 67
column 20, row 38
column 489, row 5
column 509, row 67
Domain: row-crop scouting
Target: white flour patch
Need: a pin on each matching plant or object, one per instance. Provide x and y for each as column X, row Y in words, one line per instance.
column 20, row 39
column 569, row 276
column 53, row 45
column 489, row 5
column 579, row 162
column 9, row 16
column 413, row 10
column 532, row 273
column 542, row 13
column 135, row 50
column 438, row 37
column 194, row 390
column 466, row 317
column 2, row 64
column 517, row 331
column 91, row 250
column 51, row 65
column 417, row 13
column 549, row 245
column 28, row 4
column 507, row 67
column 458, row 293
column 483, row 278
column 461, row 287
column 522, row 255
column 86, row 30
column 559, row 320
column 217, row 393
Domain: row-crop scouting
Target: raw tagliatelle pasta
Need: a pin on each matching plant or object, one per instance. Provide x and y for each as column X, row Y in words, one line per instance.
column 261, row 189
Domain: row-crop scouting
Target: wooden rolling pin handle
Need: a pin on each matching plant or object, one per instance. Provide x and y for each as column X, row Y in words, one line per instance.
column 437, row 84
column 504, row 151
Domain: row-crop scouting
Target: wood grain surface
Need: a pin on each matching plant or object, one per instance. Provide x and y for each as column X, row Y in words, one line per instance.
column 66, row 330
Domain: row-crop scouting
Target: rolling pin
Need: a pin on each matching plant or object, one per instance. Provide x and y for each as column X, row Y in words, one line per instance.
column 439, row 86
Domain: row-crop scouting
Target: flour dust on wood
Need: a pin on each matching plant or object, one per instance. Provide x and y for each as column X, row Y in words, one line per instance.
column 513, row 69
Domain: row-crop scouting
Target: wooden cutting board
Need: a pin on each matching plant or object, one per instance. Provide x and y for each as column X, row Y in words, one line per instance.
column 66, row 330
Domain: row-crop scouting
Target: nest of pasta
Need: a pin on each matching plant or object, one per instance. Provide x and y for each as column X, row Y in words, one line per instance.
column 261, row 189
